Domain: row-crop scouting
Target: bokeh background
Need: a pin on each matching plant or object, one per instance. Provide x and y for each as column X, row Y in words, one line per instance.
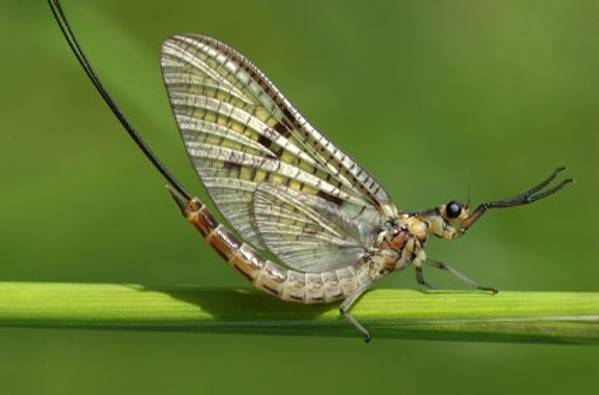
column 431, row 97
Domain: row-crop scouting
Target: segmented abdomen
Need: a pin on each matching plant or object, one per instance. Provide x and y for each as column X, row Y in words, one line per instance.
column 289, row 285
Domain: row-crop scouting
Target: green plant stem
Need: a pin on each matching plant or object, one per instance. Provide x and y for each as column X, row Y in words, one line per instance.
column 551, row 317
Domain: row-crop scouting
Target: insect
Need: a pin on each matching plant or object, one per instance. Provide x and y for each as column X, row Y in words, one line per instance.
column 284, row 187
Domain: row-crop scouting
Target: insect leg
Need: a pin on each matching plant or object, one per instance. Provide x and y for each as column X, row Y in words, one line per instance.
column 347, row 304
column 531, row 195
column 420, row 278
column 460, row 276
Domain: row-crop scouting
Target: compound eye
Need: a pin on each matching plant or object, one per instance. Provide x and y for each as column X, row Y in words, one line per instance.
column 453, row 209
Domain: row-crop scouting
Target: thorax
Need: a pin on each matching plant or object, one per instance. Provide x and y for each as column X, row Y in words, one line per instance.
column 400, row 243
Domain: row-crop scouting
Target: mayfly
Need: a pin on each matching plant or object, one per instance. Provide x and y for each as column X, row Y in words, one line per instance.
column 284, row 187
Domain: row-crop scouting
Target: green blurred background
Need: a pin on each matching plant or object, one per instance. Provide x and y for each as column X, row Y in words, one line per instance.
column 431, row 97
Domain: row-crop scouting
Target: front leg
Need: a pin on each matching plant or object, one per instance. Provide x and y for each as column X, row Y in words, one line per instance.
column 418, row 262
column 460, row 276
column 420, row 278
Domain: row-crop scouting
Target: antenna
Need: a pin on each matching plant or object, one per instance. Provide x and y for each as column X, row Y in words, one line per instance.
column 63, row 23
column 469, row 195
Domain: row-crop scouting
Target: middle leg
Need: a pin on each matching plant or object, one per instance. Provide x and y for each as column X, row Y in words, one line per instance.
column 460, row 276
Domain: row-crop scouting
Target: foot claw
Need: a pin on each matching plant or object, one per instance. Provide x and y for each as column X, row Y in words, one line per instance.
column 494, row 291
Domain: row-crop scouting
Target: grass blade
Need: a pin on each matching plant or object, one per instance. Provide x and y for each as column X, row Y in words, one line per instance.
column 549, row 317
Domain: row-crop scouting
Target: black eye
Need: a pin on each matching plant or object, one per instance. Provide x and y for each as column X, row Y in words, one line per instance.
column 453, row 209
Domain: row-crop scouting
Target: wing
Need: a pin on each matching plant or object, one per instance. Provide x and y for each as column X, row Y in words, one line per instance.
column 301, row 236
column 240, row 131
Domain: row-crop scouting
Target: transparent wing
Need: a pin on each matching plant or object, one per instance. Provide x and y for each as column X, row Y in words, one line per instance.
column 240, row 131
column 301, row 236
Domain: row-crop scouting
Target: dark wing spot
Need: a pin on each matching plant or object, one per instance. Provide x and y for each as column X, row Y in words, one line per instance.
column 288, row 114
column 232, row 166
column 330, row 198
column 282, row 129
column 310, row 231
column 264, row 141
